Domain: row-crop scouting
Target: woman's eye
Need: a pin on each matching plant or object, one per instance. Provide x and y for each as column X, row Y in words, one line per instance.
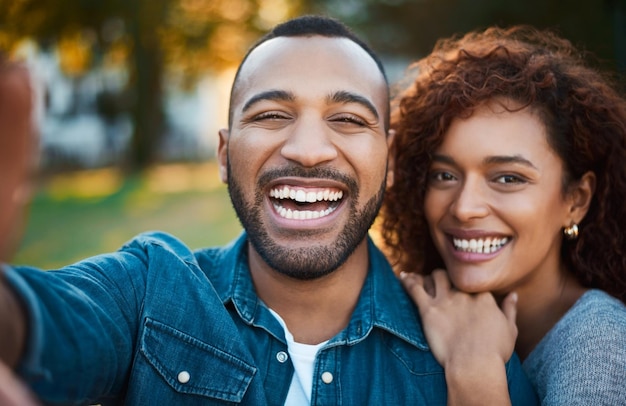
column 441, row 176
column 510, row 179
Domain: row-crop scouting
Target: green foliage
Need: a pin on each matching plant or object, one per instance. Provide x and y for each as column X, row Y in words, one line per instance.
column 195, row 35
column 411, row 27
column 74, row 217
column 150, row 39
column 154, row 38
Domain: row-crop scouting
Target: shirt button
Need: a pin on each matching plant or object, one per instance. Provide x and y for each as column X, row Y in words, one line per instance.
column 282, row 357
column 183, row 377
column 327, row 377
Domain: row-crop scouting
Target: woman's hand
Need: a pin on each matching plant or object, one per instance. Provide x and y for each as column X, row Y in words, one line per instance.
column 469, row 335
column 459, row 324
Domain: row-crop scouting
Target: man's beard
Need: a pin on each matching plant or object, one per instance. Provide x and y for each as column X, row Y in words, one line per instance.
column 308, row 262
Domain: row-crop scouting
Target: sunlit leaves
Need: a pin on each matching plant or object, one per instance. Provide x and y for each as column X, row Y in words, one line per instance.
column 74, row 50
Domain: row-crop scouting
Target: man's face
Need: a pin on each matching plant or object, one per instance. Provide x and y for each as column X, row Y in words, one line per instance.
column 17, row 154
column 306, row 157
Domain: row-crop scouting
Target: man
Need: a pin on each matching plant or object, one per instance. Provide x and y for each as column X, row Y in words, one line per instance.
column 17, row 153
column 301, row 309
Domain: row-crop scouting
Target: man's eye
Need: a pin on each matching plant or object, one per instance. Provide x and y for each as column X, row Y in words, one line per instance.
column 349, row 119
column 270, row 116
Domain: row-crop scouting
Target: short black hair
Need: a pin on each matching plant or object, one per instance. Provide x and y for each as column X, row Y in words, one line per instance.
column 306, row 26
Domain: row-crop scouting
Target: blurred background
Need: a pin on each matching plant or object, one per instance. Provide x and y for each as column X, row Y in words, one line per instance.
column 134, row 92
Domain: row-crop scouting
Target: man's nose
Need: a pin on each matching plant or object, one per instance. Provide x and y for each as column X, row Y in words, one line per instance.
column 310, row 143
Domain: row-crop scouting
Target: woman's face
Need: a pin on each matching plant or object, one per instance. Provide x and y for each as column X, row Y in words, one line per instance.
column 494, row 201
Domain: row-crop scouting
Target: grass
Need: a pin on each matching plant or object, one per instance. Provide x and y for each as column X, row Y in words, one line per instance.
column 78, row 215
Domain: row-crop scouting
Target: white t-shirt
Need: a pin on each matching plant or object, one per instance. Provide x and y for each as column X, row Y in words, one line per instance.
column 303, row 360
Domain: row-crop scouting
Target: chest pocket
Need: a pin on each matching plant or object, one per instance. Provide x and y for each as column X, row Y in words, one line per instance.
column 194, row 367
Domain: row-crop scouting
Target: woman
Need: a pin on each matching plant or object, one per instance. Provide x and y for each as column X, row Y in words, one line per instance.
column 510, row 174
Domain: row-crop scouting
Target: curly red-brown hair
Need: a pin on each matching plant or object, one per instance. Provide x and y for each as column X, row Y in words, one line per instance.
column 584, row 115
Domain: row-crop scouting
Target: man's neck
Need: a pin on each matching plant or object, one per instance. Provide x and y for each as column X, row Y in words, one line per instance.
column 314, row 310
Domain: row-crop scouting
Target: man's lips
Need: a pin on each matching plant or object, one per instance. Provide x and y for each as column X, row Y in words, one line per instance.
column 304, row 203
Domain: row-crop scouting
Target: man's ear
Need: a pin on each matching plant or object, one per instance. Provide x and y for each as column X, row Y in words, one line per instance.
column 581, row 194
column 222, row 154
column 391, row 158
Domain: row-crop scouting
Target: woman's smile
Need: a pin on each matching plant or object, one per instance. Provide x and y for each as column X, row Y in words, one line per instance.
column 494, row 201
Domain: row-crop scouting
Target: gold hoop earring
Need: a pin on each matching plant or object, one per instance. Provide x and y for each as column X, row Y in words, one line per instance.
column 571, row 232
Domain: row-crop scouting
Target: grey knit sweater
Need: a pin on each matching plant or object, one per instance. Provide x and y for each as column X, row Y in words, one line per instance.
column 582, row 359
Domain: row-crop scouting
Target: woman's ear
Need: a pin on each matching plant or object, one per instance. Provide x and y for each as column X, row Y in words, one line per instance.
column 391, row 158
column 222, row 154
column 581, row 194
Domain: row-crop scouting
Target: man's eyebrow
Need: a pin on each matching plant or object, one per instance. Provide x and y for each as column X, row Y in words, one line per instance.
column 276, row 95
column 343, row 96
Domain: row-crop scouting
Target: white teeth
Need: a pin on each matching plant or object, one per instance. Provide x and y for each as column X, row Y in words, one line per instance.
column 480, row 246
column 301, row 196
column 302, row 214
column 473, row 246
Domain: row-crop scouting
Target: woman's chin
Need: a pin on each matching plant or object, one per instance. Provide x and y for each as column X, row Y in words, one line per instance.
column 471, row 283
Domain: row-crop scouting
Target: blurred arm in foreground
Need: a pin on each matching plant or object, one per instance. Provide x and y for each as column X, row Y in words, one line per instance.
column 17, row 159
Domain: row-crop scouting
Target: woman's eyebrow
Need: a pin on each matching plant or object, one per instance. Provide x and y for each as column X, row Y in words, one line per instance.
column 446, row 159
column 490, row 160
column 509, row 159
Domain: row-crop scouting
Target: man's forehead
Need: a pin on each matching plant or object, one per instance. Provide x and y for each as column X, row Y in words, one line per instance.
column 284, row 47
column 284, row 59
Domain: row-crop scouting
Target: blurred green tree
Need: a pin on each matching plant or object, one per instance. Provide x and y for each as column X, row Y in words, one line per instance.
column 149, row 38
column 188, row 38
column 411, row 27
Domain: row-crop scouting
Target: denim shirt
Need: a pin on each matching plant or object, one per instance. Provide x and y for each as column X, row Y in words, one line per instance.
column 158, row 324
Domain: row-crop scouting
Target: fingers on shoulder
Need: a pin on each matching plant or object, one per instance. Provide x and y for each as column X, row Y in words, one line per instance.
column 414, row 284
column 441, row 280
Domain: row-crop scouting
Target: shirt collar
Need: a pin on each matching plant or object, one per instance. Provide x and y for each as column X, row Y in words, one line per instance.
column 383, row 303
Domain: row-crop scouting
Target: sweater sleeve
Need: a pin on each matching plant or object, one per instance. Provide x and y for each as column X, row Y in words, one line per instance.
column 582, row 360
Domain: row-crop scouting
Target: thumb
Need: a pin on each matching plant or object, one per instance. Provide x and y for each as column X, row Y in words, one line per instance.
column 509, row 307
column 414, row 285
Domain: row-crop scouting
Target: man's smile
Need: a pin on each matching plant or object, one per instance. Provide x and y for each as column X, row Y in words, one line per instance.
column 300, row 203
